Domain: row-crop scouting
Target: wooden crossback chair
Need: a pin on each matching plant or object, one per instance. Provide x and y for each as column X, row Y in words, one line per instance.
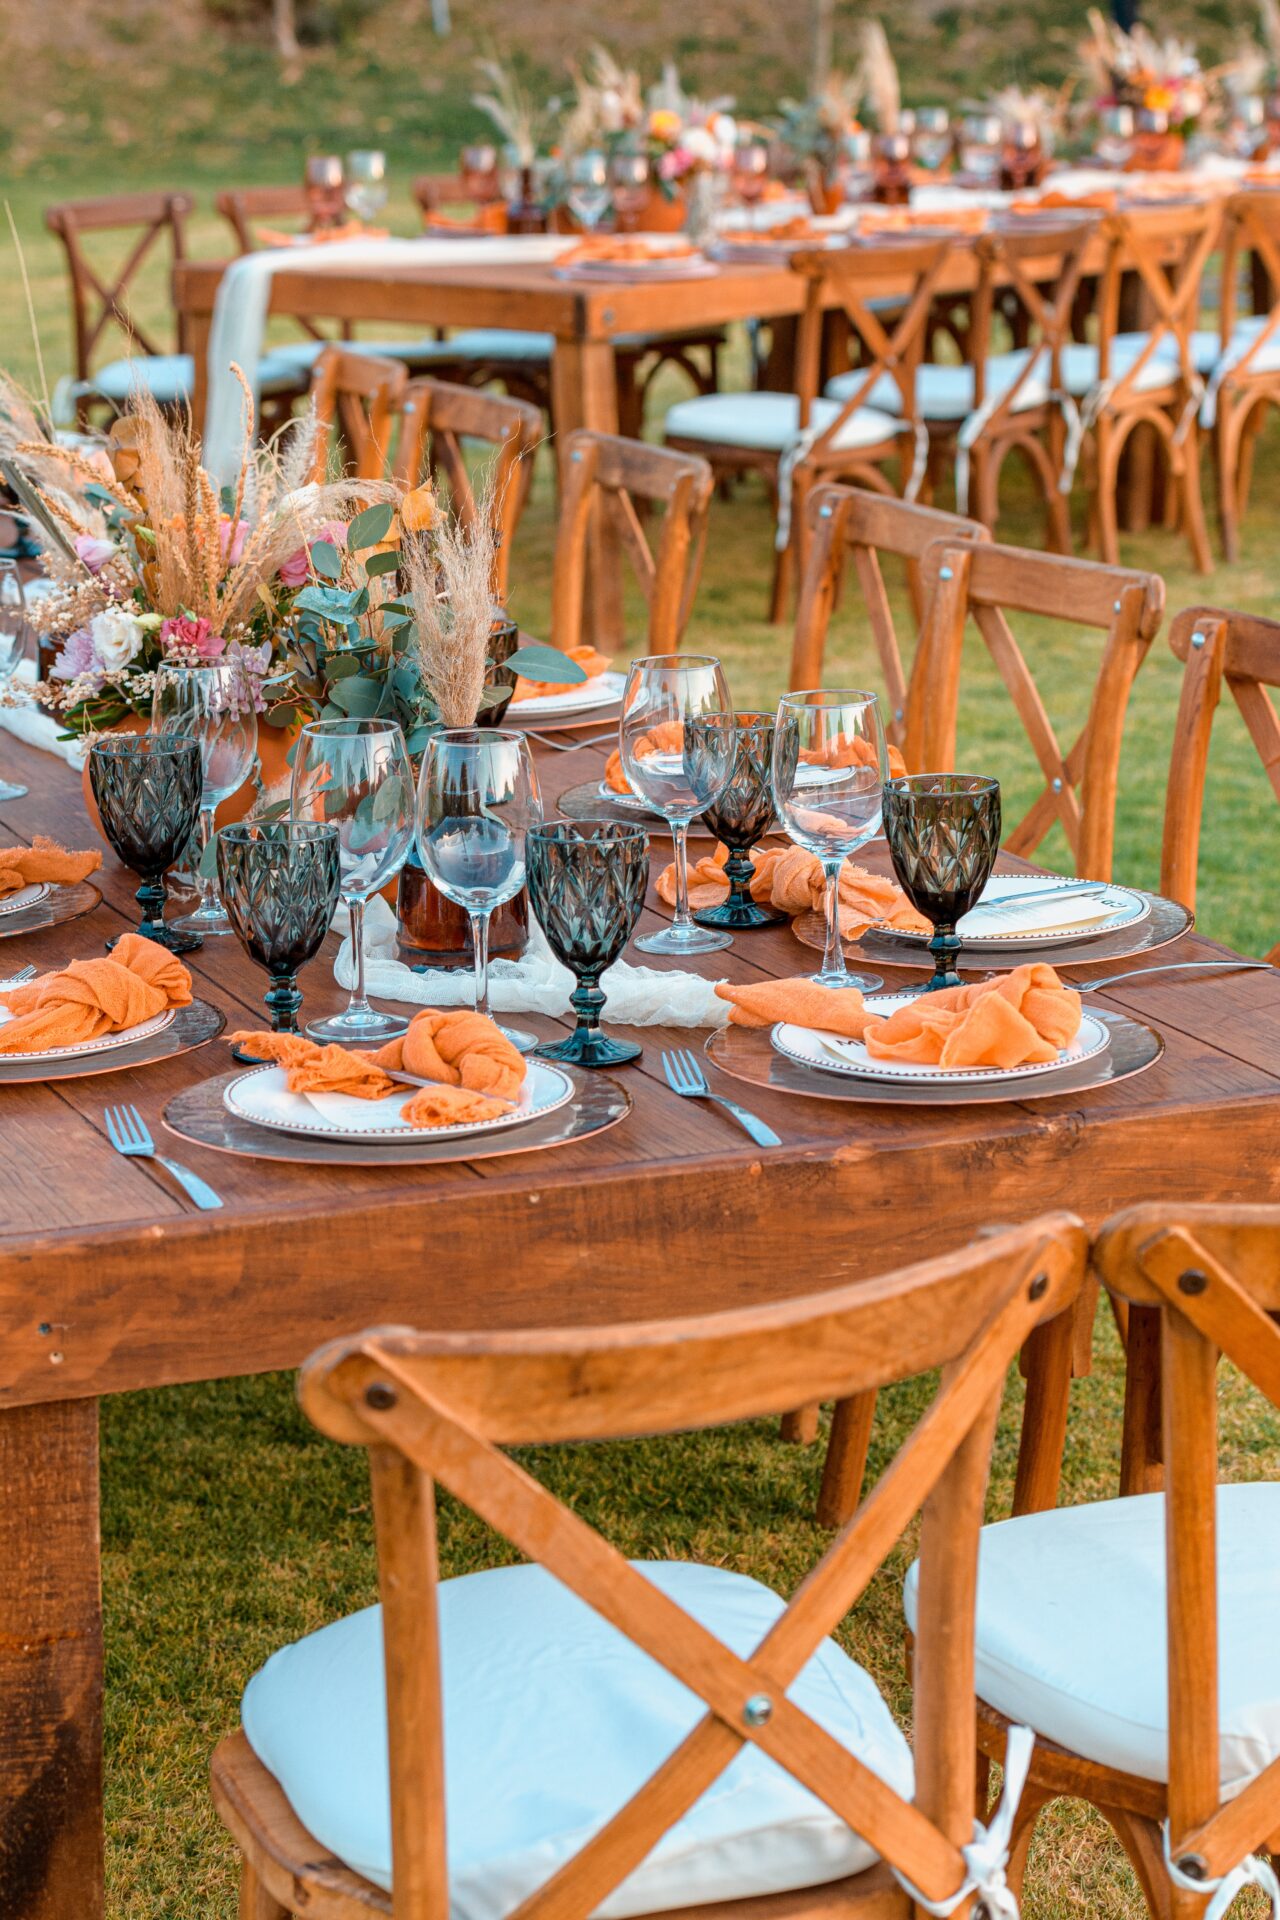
column 435, row 419
column 1244, row 374
column 1182, row 1759
column 241, row 206
column 439, row 1410
column 848, row 522
column 357, row 399
column 102, row 298
column 601, row 473
column 1242, row 649
column 988, row 584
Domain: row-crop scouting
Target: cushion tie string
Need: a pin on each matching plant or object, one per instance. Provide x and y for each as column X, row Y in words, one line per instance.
column 798, row 449
column 987, row 1854
column 1253, row 1871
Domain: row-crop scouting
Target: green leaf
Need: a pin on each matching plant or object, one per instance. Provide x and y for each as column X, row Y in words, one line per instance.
column 420, row 735
column 207, row 865
column 326, row 560
column 380, row 563
column 358, row 695
column 327, row 602
column 369, row 527
column 389, row 799
column 539, row 662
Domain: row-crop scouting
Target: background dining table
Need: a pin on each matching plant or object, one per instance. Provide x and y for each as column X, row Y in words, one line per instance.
column 110, row 1282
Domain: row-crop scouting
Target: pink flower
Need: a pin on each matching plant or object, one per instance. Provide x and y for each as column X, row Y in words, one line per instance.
column 182, row 634
column 232, row 539
column 77, row 658
column 94, row 552
column 296, row 570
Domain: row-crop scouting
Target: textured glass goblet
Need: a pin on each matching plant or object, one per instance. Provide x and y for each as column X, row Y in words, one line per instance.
column 280, row 881
column 741, row 815
column 943, row 831
column 147, row 791
column 587, row 882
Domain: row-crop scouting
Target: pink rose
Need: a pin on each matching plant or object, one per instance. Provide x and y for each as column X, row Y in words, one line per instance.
column 182, row 634
column 232, row 539
column 94, row 552
column 296, row 570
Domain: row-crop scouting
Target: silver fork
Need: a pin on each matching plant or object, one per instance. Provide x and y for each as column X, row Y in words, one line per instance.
column 16, row 979
column 129, row 1134
column 1175, row 966
column 685, row 1077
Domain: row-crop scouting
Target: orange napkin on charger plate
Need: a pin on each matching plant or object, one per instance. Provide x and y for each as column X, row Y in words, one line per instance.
column 670, row 734
column 591, row 662
column 791, row 879
column 666, row 737
column 90, row 998
column 44, row 860
column 477, row 1070
column 1021, row 1019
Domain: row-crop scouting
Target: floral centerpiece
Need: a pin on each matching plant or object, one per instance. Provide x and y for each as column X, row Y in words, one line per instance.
column 822, row 132
column 1161, row 80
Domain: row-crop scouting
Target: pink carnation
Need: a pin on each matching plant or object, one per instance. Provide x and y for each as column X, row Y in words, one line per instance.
column 232, row 539
column 94, row 552
column 296, row 570
column 182, row 634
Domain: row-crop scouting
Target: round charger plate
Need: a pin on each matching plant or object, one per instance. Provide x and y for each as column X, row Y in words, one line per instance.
column 580, row 706
column 58, row 904
column 255, row 1097
column 1166, row 922
column 747, row 1053
column 1126, row 907
column 593, row 801
column 106, row 1043
column 199, row 1115
column 189, row 1028
column 806, row 1047
column 25, row 897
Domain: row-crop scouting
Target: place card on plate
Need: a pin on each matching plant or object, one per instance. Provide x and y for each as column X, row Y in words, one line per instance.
column 262, row 1098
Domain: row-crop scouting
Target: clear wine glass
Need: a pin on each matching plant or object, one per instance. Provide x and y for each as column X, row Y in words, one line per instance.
column 13, row 641
column 750, row 174
column 829, row 769
column 366, row 177
column 588, row 194
column 678, row 769
column 477, row 799
column 357, row 774
column 629, row 181
column 323, row 183
column 979, row 144
column 931, row 141
column 214, row 707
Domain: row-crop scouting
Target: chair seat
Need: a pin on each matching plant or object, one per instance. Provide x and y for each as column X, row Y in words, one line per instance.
column 770, row 422
column 1071, row 1629
column 1080, row 363
column 946, row 393
column 552, row 1721
column 169, row 377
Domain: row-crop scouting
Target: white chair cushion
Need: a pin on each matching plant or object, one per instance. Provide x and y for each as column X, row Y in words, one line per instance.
column 168, row 376
column 946, row 393
column 769, row 422
column 1080, row 363
column 552, row 1721
column 1071, row 1629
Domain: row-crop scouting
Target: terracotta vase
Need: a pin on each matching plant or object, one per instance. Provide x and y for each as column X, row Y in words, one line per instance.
column 661, row 213
column 1157, row 153
column 826, row 192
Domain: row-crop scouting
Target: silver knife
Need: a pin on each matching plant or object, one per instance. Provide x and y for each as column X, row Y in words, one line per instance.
column 1071, row 890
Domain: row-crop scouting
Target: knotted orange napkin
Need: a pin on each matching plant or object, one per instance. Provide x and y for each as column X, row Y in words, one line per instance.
column 709, row 883
column 801, row 1002
column 459, row 1048
column 865, row 898
column 90, row 998
column 666, row 737
column 591, row 662
column 44, row 860
column 312, row 1068
column 855, row 752
column 1019, row 1020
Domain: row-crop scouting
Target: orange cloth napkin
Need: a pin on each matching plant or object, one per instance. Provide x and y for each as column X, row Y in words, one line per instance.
column 459, row 1048
column 90, row 998
column 801, row 1002
column 709, row 883
column 621, row 250
column 843, row 752
column 798, row 886
column 591, row 662
column 44, row 860
column 666, row 737
column 313, row 1068
column 1018, row 1020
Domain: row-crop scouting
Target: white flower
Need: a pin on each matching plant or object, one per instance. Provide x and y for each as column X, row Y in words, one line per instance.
column 117, row 637
column 700, row 146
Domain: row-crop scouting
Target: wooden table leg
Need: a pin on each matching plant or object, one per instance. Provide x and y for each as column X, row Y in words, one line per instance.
column 1141, row 1449
column 584, row 393
column 846, row 1463
column 51, row 1846
column 1047, row 1363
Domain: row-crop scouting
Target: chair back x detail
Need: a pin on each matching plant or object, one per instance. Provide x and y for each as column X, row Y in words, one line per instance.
column 356, row 397
column 1245, row 375
column 102, row 298
column 436, row 417
column 440, row 1410
column 988, row 583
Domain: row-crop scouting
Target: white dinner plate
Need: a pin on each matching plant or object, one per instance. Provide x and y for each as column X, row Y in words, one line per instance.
column 262, row 1097
column 1058, row 922
column 830, row 1053
column 128, row 1037
column 605, row 690
column 24, row 897
column 684, row 266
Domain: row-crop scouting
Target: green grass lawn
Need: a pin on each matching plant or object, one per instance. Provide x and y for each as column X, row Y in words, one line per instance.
column 229, row 1526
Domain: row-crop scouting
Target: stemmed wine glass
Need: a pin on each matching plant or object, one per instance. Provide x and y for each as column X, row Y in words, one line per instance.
column 587, row 883
column 280, row 881
column 366, row 184
column 147, row 792
column 213, row 706
column 943, row 831
column 477, row 800
column 829, row 769
column 677, row 770
column 750, row 174
column 739, row 816
column 13, row 635
column 629, row 179
column 323, row 182
column 478, row 170
column 588, row 194
column 357, row 774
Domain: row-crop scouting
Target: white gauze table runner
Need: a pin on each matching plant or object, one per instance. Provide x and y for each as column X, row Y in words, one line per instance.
column 38, row 729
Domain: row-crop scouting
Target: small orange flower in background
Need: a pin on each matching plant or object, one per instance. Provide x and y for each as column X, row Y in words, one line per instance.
column 664, row 123
column 418, row 510
column 1158, row 99
column 122, row 449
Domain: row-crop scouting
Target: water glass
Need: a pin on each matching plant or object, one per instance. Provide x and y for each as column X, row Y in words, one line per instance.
column 943, row 831
column 979, row 147
column 478, row 799
column 931, row 138
column 357, row 775
column 679, row 772
column 588, row 194
column 323, row 184
column 478, row 171
column 750, row 173
column 587, row 885
column 147, row 792
column 13, row 640
column 829, row 769
column 366, row 177
column 629, row 182
column 280, row 881
column 740, row 816
column 214, row 707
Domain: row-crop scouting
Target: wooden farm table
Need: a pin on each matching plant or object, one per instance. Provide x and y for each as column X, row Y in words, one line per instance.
column 109, row 1281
